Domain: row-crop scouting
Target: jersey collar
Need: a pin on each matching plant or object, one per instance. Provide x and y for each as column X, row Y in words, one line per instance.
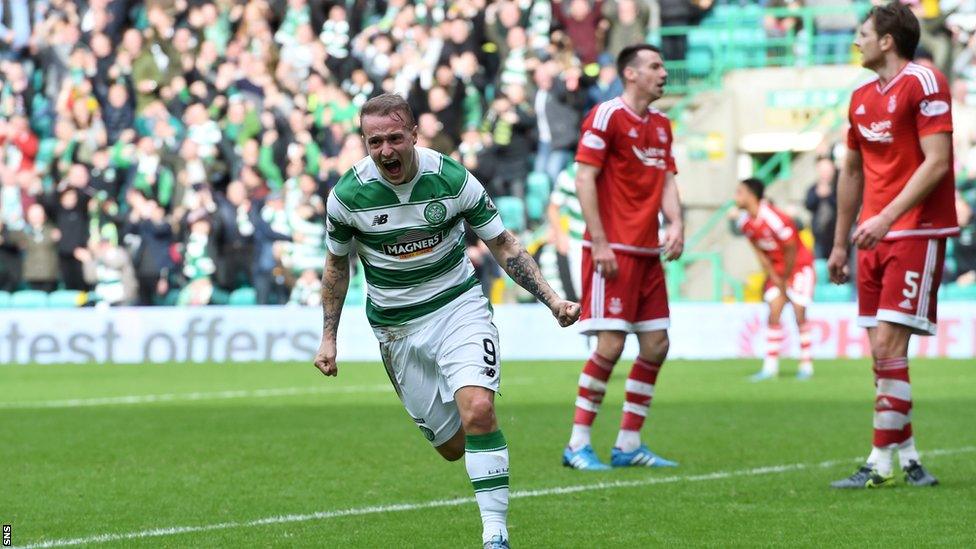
column 891, row 83
column 631, row 112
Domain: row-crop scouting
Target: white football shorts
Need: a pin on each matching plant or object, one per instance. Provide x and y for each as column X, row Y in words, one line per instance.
column 428, row 361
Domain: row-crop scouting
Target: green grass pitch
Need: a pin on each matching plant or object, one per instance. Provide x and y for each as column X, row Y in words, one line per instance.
column 247, row 454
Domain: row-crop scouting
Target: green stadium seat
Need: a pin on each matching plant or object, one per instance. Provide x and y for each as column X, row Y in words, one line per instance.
column 512, row 211
column 243, row 297
column 830, row 293
column 169, row 299
column 955, row 292
column 720, row 14
column 703, row 38
column 28, row 299
column 64, row 298
column 699, row 61
column 537, row 195
column 4, row 299
column 219, row 297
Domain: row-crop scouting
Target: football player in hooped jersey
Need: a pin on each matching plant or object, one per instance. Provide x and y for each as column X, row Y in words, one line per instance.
column 788, row 265
column 625, row 178
column 899, row 172
column 403, row 208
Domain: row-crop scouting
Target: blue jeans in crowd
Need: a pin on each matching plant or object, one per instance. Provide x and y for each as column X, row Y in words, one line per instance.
column 551, row 161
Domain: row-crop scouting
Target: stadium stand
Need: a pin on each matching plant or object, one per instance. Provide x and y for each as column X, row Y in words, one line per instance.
column 206, row 135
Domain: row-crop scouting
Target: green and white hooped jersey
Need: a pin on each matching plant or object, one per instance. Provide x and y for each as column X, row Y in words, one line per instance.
column 564, row 196
column 410, row 237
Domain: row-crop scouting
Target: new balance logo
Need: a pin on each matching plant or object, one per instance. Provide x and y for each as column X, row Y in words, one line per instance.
column 860, row 109
column 490, row 372
column 380, row 219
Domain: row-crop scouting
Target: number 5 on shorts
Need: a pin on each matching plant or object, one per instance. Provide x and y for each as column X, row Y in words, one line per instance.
column 911, row 283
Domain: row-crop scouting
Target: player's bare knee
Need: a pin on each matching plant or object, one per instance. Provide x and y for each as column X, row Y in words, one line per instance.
column 478, row 416
column 611, row 347
column 654, row 346
column 887, row 348
column 890, row 342
column 660, row 348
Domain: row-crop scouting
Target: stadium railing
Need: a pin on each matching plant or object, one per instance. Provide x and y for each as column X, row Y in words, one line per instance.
column 770, row 171
column 733, row 37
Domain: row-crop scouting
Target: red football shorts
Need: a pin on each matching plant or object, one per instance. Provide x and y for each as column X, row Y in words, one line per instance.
column 636, row 300
column 799, row 289
column 898, row 281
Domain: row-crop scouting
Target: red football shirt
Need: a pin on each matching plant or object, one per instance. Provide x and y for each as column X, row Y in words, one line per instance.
column 633, row 153
column 771, row 230
column 887, row 125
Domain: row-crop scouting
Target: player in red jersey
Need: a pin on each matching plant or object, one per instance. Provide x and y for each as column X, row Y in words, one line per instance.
column 899, row 172
column 788, row 265
column 625, row 178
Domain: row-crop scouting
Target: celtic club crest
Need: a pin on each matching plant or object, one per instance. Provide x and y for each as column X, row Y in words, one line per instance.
column 435, row 212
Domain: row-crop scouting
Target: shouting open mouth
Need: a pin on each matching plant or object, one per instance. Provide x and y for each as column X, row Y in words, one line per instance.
column 393, row 167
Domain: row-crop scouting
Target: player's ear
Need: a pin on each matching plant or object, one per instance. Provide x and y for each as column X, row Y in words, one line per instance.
column 886, row 42
column 623, row 75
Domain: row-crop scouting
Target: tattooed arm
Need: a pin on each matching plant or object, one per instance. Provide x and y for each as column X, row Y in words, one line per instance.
column 519, row 265
column 335, row 283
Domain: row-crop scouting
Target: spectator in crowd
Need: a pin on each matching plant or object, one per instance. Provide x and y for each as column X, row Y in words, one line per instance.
column 580, row 20
column 430, row 134
column 69, row 208
column 118, row 113
column 15, row 28
column 821, row 201
column 134, row 114
column 964, row 249
column 508, row 124
column 15, row 90
column 198, row 263
column 679, row 13
column 607, row 85
column 624, row 22
column 935, row 37
column 38, row 240
column 18, row 143
column 270, row 226
column 108, row 269
column 963, row 134
column 557, row 107
column 149, row 236
column 306, row 291
column 964, row 67
column 10, row 263
column 779, row 26
column 833, row 30
column 234, row 236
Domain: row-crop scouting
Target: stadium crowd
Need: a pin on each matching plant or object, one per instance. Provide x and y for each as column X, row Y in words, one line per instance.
column 176, row 150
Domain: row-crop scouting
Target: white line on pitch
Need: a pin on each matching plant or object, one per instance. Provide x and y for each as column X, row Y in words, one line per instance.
column 180, row 397
column 212, row 395
column 396, row 507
